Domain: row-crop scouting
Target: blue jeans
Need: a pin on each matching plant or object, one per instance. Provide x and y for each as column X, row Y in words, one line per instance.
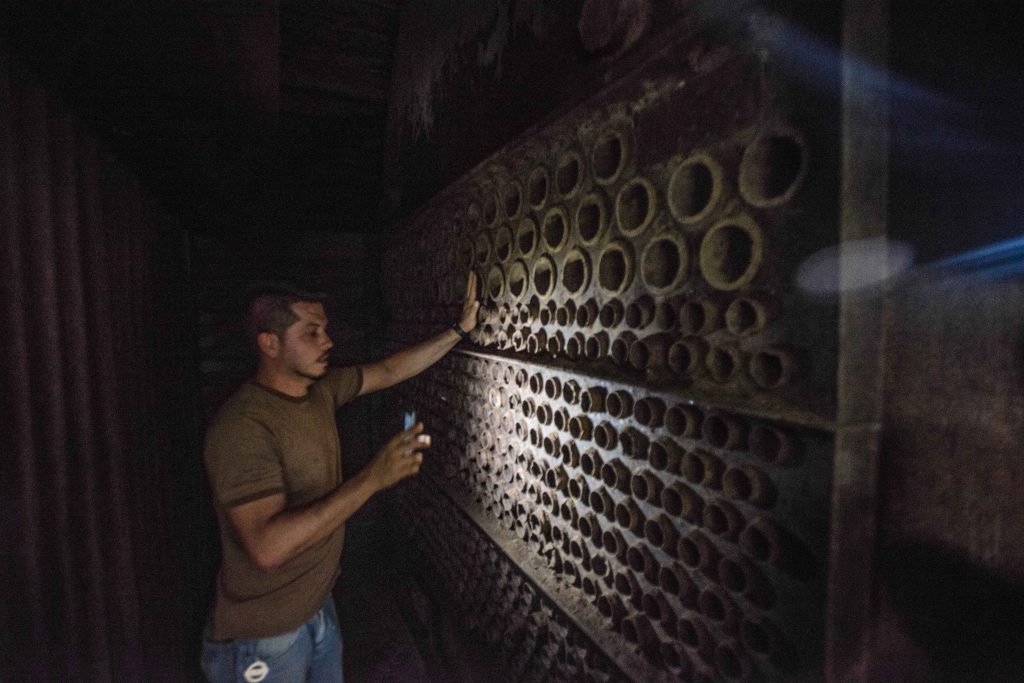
column 310, row 653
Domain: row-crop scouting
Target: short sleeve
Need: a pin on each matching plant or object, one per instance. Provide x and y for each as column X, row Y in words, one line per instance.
column 343, row 384
column 242, row 461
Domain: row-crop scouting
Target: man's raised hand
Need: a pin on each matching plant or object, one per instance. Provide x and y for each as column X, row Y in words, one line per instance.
column 470, row 305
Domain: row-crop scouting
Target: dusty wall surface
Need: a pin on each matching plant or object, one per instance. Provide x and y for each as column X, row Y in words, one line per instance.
column 631, row 467
column 595, row 310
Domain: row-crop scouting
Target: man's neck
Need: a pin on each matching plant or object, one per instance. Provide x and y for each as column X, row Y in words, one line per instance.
column 286, row 383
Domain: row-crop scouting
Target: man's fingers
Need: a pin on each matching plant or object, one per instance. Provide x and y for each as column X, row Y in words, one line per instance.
column 406, row 435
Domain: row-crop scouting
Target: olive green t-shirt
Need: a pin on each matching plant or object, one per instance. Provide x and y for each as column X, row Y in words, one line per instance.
column 263, row 442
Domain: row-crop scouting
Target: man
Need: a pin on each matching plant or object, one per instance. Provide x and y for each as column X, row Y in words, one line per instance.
column 274, row 464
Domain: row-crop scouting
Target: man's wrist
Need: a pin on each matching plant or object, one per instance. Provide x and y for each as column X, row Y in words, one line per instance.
column 461, row 332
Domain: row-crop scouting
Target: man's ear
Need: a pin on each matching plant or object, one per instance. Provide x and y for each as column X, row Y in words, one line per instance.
column 268, row 344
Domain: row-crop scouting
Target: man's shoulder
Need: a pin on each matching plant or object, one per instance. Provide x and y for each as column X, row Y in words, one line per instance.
column 342, row 383
column 246, row 404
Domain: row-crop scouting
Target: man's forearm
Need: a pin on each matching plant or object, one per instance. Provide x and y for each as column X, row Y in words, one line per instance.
column 287, row 533
column 273, row 534
column 408, row 362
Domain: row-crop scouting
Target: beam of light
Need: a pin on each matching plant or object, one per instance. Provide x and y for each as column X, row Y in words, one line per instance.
column 929, row 121
column 992, row 262
column 861, row 266
column 853, row 266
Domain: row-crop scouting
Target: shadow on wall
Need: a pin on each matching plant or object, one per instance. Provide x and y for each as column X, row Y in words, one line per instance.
column 949, row 618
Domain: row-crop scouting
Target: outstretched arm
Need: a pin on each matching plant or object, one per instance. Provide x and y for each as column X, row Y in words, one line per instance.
column 415, row 359
column 272, row 535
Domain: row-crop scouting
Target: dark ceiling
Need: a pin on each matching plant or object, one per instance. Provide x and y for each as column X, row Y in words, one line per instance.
column 236, row 114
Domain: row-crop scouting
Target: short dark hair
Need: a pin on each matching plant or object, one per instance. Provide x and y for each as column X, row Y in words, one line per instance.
column 269, row 307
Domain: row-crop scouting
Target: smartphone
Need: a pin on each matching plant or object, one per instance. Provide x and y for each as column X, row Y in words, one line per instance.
column 410, row 419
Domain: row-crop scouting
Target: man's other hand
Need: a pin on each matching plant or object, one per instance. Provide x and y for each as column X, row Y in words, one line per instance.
column 400, row 457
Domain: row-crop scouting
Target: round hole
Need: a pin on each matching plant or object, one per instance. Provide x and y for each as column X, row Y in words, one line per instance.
column 576, row 272
column 638, row 312
column 609, row 157
column 668, row 580
column 665, row 315
column 736, row 484
column 689, row 552
column 619, row 403
column 683, row 420
column 657, row 455
column 634, row 557
column 679, row 500
column 526, row 237
column 721, row 363
column 471, row 221
column 662, row 265
column 518, row 280
column 715, row 431
column 489, row 210
column 635, row 206
column 503, row 243
column 495, row 283
column 692, row 316
column 624, row 518
column 639, row 355
column 772, row 168
column 741, row 317
column 555, row 231
column 731, row 253
column 611, row 313
column 615, row 267
column 569, row 174
column 537, row 187
column 771, row 368
column 693, row 468
column 688, row 633
column 715, row 519
column 591, row 218
column 684, row 356
column 513, row 196
column 594, row 348
column 772, row 445
column 544, row 276
column 711, row 606
column 639, row 487
column 467, row 253
column 694, row 189
column 482, row 249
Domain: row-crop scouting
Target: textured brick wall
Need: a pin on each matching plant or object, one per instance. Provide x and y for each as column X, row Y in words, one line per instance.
column 632, row 461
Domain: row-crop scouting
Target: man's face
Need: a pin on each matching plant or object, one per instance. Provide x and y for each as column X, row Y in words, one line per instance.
column 305, row 344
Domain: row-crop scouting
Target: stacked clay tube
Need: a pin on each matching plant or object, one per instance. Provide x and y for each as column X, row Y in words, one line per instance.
column 659, row 513
column 494, row 599
column 581, row 226
column 663, row 277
